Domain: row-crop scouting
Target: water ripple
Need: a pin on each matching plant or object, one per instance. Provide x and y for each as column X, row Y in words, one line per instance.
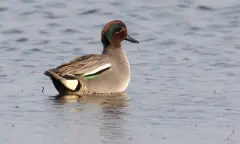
column 45, row 33
column 28, row 66
column 88, row 12
column 28, row 1
column 23, row 39
column 67, row 43
column 18, row 60
column 205, row 8
column 71, row 31
column 28, row 13
column 52, row 24
column 57, row 5
column 35, row 50
column 3, row 9
column 115, row 3
column 11, row 49
column 183, row 6
column 42, row 42
column 51, row 15
column 13, row 31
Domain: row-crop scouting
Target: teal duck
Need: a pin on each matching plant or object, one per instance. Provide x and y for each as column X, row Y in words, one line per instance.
column 108, row 72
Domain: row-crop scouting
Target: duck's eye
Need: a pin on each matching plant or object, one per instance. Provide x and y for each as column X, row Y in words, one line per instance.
column 118, row 30
column 121, row 32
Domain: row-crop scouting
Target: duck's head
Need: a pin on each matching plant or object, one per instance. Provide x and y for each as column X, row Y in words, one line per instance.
column 114, row 33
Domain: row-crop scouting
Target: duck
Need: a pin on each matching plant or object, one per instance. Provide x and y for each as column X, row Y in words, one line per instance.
column 105, row 73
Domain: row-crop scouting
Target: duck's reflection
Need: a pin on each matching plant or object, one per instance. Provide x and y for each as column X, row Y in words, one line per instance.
column 111, row 113
column 116, row 100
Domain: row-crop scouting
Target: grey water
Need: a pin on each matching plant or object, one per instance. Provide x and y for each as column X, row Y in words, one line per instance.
column 185, row 72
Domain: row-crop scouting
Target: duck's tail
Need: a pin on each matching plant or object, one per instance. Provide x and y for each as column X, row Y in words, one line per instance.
column 63, row 83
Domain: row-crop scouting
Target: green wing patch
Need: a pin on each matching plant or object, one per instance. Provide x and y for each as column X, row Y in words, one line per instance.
column 90, row 76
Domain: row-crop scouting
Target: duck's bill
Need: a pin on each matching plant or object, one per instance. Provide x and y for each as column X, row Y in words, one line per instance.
column 128, row 38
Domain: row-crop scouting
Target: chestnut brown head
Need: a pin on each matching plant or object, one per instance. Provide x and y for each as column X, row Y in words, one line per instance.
column 114, row 33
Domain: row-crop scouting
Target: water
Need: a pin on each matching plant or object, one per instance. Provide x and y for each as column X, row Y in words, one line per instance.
column 185, row 72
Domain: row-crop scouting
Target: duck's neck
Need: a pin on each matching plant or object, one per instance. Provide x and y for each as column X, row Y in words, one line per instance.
column 121, row 63
column 113, row 51
column 117, row 54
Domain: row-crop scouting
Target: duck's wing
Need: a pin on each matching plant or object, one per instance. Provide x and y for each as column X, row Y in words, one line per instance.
column 87, row 66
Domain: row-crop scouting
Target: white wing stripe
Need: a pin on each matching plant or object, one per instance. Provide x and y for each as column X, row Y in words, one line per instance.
column 71, row 84
column 98, row 69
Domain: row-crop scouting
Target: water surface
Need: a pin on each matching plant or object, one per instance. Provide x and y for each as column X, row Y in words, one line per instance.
column 185, row 72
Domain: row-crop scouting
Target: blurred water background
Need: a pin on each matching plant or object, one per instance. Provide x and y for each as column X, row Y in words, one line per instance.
column 185, row 72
